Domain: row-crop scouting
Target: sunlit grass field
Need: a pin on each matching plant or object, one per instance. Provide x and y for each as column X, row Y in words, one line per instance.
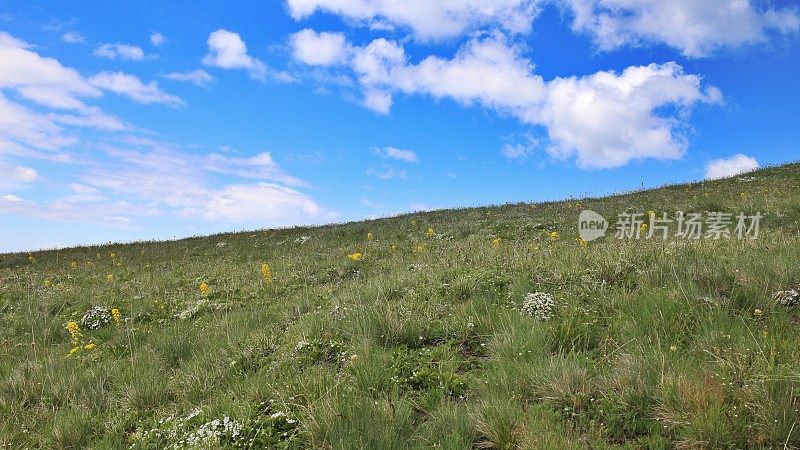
column 410, row 332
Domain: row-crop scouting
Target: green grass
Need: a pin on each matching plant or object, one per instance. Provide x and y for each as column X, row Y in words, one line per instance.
column 653, row 344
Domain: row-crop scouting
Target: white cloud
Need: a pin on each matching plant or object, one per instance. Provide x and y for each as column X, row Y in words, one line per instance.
column 604, row 120
column 199, row 77
column 32, row 75
column 188, row 186
column 516, row 151
column 99, row 211
column 319, row 49
column 608, row 119
column 46, row 82
column 227, row 50
column 10, row 198
column 82, row 189
column 387, row 173
column 72, row 38
column 157, row 39
column 131, row 86
column 427, row 19
column 20, row 124
column 260, row 166
column 24, row 174
column 728, row 167
column 15, row 176
column 136, row 177
column 265, row 203
column 121, row 51
column 398, row 154
column 696, row 28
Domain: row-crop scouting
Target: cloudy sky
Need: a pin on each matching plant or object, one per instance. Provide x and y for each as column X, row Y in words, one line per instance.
column 148, row 120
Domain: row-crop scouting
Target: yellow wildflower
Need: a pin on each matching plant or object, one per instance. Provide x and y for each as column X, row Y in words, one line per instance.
column 266, row 272
column 370, row 237
column 673, row 348
column 582, row 242
column 643, row 227
column 651, row 214
column 73, row 350
column 357, row 256
column 758, row 313
column 72, row 327
column 73, row 265
column 31, row 259
column 743, row 195
column 116, row 315
column 393, row 248
column 48, row 283
column 112, row 255
column 89, row 346
column 496, row 242
column 74, row 332
column 204, row 288
column 110, row 277
column 431, row 233
column 553, row 234
column 419, row 248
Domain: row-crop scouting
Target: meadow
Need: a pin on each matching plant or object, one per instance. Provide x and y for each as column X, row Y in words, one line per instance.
column 487, row 328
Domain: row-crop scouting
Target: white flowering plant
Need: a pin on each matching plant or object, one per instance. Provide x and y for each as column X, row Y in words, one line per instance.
column 540, row 305
column 96, row 317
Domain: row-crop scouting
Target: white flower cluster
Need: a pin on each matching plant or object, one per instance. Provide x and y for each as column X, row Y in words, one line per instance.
column 95, row 317
column 788, row 298
column 539, row 305
column 211, row 433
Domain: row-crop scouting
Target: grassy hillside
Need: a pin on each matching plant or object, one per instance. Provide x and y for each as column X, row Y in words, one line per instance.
column 421, row 342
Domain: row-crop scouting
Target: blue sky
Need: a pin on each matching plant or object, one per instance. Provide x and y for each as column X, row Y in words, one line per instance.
column 125, row 121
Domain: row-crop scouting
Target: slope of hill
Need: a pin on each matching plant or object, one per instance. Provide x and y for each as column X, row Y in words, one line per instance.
column 491, row 327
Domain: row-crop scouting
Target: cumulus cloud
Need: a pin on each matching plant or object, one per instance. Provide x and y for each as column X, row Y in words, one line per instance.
column 122, row 179
column 603, row 120
column 227, row 50
column 427, row 19
column 131, row 86
column 696, row 28
column 319, row 49
column 730, row 166
column 73, row 38
column 607, row 119
column 198, row 77
column 119, row 51
column 48, row 83
column 31, row 75
column 398, row 154
column 157, row 39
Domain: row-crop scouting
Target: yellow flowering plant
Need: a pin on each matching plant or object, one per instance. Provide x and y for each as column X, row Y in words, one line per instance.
column 116, row 315
column 266, row 272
